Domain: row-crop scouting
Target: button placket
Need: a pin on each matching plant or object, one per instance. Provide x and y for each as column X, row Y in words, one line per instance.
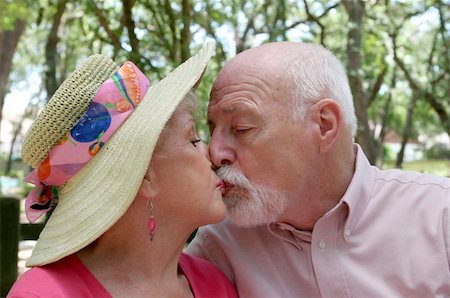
column 322, row 244
column 324, row 252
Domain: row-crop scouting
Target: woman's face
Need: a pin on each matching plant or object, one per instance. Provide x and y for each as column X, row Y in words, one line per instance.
column 183, row 179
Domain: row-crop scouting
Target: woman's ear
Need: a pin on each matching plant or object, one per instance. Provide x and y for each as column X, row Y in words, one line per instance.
column 149, row 184
column 328, row 116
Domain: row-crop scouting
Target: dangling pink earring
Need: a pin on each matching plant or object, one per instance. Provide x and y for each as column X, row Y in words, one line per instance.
column 151, row 223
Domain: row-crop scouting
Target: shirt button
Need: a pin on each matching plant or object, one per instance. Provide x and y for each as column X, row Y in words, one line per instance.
column 347, row 232
column 322, row 244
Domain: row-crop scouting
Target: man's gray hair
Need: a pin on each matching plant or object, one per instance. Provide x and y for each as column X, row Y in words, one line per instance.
column 317, row 74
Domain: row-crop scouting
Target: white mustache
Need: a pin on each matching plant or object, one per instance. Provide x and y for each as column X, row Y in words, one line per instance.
column 233, row 176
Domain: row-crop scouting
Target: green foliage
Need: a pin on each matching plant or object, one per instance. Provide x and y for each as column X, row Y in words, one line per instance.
column 438, row 151
column 10, row 11
column 389, row 155
column 91, row 26
column 436, row 167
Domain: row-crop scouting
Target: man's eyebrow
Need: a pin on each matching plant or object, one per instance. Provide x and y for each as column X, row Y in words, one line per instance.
column 230, row 109
column 235, row 107
column 227, row 110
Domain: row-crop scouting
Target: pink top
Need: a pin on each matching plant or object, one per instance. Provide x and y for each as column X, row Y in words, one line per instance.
column 70, row 278
column 389, row 236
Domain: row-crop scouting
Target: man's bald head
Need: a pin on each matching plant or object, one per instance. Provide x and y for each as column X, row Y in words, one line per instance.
column 308, row 72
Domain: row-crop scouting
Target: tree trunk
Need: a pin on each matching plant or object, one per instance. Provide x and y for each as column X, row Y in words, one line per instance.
column 406, row 131
column 8, row 44
column 379, row 152
column 186, row 31
column 30, row 113
column 355, row 10
column 237, row 37
column 437, row 106
column 135, row 54
column 51, row 53
column 16, row 132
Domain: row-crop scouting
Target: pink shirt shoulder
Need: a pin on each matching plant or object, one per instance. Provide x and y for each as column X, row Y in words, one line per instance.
column 65, row 278
column 205, row 279
column 70, row 278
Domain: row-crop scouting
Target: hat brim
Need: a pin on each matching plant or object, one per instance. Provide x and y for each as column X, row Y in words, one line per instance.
column 97, row 196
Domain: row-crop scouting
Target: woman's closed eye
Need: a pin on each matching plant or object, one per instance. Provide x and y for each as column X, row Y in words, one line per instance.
column 195, row 141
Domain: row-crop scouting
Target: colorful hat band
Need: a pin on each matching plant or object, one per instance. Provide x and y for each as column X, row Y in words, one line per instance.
column 111, row 106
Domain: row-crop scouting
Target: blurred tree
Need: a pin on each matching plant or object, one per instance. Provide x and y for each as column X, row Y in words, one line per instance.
column 429, row 79
column 30, row 112
column 356, row 11
column 160, row 34
column 51, row 51
column 12, row 25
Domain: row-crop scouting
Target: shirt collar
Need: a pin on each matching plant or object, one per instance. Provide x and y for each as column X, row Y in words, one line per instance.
column 282, row 228
column 357, row 196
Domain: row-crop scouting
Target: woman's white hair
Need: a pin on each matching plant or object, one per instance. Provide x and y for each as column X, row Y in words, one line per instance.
column 317, row 74
column 190, row 103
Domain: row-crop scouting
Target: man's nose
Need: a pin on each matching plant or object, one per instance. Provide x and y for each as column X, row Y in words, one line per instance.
column 221, row 153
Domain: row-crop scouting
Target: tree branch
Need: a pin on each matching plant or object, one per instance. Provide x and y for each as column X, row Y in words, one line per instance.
column 129, row 24
column 173, row 30
column 377, row 85
column 51, row 83
column 114, row 39
column 185, row 32
column 438, row 107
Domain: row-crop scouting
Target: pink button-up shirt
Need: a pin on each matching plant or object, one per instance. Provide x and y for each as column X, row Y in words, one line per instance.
column 389, row 236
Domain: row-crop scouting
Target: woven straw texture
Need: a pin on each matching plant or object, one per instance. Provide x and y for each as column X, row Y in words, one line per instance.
column 97, row 196
column 65, row 108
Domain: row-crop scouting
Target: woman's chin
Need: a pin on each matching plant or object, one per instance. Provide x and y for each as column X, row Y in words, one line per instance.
column 218, row 214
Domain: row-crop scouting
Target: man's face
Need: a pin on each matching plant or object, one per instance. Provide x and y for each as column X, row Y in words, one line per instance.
column 256, row 141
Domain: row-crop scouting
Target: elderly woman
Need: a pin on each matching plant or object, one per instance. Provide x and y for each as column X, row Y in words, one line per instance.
column 130, row 179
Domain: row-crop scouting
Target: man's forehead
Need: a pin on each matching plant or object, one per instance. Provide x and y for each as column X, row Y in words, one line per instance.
column 229, row 110
column 234, row 102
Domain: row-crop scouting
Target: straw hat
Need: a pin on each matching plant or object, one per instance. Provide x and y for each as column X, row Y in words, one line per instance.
column 99, row 194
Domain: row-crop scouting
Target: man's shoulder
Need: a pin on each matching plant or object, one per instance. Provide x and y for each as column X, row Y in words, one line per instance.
column 419, row 191
column 216, row 242
column 396, row 176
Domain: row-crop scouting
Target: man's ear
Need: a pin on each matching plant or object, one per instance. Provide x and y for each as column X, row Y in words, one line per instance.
column 328, row 116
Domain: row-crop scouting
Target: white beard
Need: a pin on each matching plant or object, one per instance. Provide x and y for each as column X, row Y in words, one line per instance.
column 250, row 205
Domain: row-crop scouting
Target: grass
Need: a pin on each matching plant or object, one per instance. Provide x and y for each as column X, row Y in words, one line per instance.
column 436, row 167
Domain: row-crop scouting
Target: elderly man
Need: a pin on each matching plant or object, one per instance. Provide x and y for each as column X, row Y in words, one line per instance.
column 308, row 215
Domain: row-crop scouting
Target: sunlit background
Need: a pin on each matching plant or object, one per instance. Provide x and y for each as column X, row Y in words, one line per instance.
column 397, row 56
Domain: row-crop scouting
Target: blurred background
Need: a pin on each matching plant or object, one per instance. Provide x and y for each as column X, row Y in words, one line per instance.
column 397, row 56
